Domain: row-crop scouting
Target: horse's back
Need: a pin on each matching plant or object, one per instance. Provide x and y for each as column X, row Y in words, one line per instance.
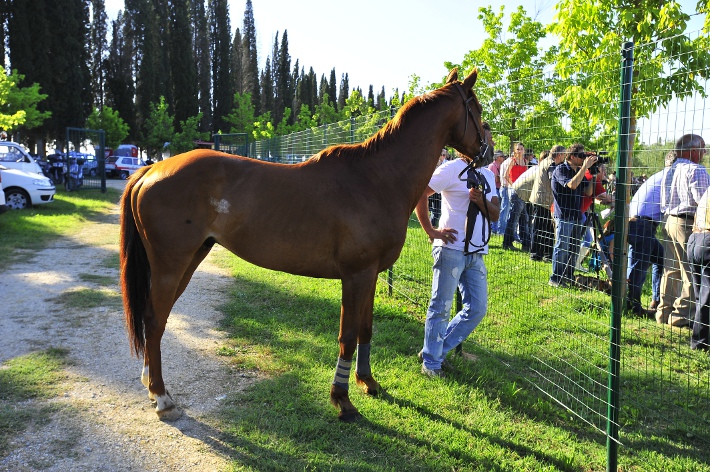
column 316, row 218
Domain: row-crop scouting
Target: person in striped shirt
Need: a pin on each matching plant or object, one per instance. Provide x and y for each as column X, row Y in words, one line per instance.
column 683, row 185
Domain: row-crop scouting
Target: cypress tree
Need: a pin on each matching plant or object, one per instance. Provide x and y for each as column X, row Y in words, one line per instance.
column 322, row 88
column 333, row 88
column 250, row 60
column 285, row 90
column 98, row 49
column 220, row 45
column 120, row 89
column 201, row 44
column 182, row 64
column 237, row 64
column 344, row 91
column 267, row 90
column 371, row 97
column 312, row 90
column 61, row 26
column 150, row 74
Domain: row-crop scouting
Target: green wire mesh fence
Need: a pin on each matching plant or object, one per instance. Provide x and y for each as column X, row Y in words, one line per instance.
column 563, row 341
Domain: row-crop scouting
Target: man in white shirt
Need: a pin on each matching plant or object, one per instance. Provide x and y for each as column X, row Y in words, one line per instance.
column 455, row 262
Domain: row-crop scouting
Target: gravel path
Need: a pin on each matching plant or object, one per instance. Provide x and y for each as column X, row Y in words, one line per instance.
column 105, row 421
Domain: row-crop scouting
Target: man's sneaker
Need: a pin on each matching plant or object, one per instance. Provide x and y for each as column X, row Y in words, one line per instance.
column 554, row 283
column 445, row 364
column 433, row 373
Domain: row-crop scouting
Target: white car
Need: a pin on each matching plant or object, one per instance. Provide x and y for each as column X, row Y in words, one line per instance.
column 23, row 189
column 3, row 206
column 14, row 156
column 126, row 166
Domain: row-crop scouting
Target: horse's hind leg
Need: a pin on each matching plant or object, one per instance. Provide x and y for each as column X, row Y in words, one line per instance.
column 363, row 373
column 357, row 289
column 159, row 308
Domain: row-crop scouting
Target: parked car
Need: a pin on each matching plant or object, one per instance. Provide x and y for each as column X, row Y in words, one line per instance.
column 14, row 156
column 24, row 189
column 3, row 206
column 126, row 150
column 125, row 166
column 113, row 156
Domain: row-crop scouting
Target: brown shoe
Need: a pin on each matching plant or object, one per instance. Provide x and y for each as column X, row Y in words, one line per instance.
column 653, row 305
column 639, row 311
column 678, row 321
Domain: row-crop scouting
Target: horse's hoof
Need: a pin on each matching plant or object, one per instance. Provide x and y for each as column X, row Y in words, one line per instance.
column 349, row 417
column 169, row 414
column 369, row 385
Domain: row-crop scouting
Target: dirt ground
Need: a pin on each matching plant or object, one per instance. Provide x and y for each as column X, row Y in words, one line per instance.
column 104, row 420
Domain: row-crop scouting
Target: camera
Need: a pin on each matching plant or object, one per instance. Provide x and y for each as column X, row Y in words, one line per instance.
column 602, row 158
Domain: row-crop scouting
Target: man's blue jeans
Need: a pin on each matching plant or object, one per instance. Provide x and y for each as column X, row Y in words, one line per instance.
column 504, row 209
column 494, row 224
column 568, row 236
column 644, row 250
column 451, row 269
column 517, row 208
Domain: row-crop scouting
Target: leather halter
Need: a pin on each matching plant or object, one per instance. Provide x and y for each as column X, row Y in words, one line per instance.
column 466, row 103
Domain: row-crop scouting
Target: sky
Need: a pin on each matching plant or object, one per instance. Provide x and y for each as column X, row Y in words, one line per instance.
column 376, row 42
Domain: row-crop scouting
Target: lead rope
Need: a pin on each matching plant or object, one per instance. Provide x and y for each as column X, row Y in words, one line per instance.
column 472, row 213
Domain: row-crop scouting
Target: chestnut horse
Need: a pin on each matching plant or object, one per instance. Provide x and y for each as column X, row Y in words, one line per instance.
column 342, row 214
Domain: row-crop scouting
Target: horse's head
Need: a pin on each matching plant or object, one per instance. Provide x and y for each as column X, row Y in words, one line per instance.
column 470, row 139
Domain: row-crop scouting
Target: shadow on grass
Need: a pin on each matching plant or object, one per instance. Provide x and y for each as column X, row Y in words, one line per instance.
column 268, row 314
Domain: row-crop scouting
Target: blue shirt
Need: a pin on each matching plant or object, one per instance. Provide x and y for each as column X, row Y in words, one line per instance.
column 567, row 201
column 647, row 199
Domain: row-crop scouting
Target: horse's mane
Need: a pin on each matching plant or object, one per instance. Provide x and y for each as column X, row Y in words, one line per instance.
column 388, row 133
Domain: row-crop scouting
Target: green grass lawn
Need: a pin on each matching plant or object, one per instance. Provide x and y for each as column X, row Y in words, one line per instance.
column 494, row 413
column 529, row 394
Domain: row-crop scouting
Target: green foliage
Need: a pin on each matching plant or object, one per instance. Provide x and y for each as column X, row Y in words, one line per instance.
column 18, row 105
column 594, row 31
column 263, row 127
column 242, row 116
column 325, row 112
column 108, row 120
column 158, row 128
column 512, row 86
column 185, row 140
column 305, row 120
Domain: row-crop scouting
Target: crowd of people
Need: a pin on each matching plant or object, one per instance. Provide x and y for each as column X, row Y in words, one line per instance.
column 547, row 206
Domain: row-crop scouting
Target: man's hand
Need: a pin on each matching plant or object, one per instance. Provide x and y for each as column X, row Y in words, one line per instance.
column 589, row 161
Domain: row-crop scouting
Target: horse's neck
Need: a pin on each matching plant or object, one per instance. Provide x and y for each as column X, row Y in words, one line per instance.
column 415, row 146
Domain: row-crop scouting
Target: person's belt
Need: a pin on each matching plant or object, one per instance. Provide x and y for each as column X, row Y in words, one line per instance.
column 685, row 216
column 637, row 218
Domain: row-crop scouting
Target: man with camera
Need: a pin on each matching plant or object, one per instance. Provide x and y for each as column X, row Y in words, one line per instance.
column 568, row 186
column 471, row 203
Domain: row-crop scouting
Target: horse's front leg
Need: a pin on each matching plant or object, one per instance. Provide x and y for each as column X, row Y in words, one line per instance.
column 363, row 372
column 356, row 290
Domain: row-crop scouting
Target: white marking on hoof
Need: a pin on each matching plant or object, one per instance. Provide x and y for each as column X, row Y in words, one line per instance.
column 166, row 409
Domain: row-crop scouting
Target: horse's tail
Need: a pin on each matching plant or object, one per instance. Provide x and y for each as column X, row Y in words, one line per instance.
column 135, row 270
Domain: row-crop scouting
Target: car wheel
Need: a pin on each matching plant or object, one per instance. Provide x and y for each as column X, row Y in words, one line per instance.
column 17, row 199
column 123, row 175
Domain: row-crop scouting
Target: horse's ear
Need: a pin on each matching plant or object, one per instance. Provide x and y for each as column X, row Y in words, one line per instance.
column 453, row 75
column 471, row 79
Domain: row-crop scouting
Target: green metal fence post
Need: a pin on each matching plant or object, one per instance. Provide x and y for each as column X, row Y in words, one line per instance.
column 352, row 130
column 618, row 287
column 101, row 161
